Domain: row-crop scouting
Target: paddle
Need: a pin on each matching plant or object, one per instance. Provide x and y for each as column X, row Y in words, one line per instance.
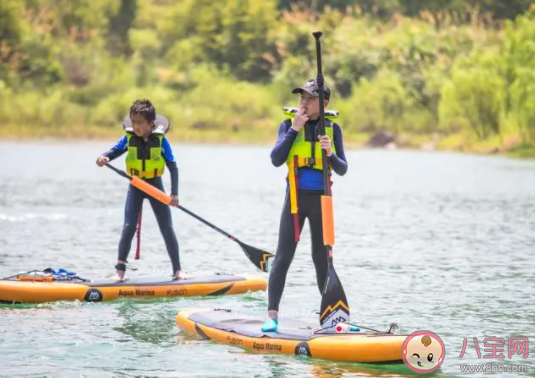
column 138, row 234
column 258, row 257
column 334, row 306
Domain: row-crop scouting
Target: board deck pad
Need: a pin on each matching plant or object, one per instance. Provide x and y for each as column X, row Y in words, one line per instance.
column 293, row 336
column 249, row 325
column 159, row 281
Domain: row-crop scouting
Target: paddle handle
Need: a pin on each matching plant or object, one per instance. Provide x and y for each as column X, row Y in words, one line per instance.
column 118, row 171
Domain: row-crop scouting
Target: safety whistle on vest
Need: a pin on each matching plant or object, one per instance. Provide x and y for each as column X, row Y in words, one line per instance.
column 329, row 114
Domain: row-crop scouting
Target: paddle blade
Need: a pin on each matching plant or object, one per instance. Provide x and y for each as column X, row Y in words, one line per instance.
column 327, row 219
column 150, row 190
column 334, row 306
column 258, row 257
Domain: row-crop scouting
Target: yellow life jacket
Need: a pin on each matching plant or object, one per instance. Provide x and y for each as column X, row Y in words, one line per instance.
column 145, row 160
column 309, row 154
column 305, row 154
column 303, row 148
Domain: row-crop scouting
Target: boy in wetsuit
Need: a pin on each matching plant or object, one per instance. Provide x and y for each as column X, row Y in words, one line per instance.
column 148, row 154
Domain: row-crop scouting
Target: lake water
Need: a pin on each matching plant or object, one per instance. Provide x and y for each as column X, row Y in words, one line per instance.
column 432, row 241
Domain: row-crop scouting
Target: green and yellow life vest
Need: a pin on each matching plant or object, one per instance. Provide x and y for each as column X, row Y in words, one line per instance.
column 303, row 148
column 305, row 154
column 145, row 160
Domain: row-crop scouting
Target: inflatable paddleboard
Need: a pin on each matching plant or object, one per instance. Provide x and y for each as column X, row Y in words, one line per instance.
column 293, row 337
column 37, row 288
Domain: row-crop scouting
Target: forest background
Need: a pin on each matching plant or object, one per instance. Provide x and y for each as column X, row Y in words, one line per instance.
column 434, row 74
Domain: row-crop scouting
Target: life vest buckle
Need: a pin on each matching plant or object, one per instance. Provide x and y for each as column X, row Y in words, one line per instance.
column 310, row 161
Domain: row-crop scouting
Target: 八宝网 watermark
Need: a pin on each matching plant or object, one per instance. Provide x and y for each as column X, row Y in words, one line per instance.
column 424, row 352
column 493, row 368
column 495, row 346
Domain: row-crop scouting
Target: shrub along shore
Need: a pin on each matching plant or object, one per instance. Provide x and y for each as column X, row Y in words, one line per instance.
column 438, row 78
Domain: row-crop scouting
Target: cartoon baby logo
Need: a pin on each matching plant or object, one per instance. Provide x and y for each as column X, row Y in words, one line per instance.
column 423, row 352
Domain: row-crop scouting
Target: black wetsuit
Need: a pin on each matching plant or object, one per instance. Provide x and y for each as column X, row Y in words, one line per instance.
column 310, row 190
column 134, row 201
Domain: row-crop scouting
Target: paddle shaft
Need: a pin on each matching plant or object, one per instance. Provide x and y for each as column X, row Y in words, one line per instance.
column 326, row 200
column 334, row 307
column 257, row 256
column 138, row 234
column 213, row 226
column 321, row 124
column 118, row 171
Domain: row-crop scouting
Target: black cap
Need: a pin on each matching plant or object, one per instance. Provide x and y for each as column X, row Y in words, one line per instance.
column 311, row 87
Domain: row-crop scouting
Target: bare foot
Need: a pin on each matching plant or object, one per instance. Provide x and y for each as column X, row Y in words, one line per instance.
column 180, row 275
column 119, row 276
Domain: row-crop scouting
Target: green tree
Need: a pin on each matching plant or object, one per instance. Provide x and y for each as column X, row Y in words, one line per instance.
column 233, row 34
column 11, row 30
column 497, row 8
column 118, row 40
column 509, row 9
column 80, row 21
column 26, row 56
column 474, row 95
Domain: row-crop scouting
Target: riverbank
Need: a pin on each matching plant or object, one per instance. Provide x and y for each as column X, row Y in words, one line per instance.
column 446, row 84
column 508, row 145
